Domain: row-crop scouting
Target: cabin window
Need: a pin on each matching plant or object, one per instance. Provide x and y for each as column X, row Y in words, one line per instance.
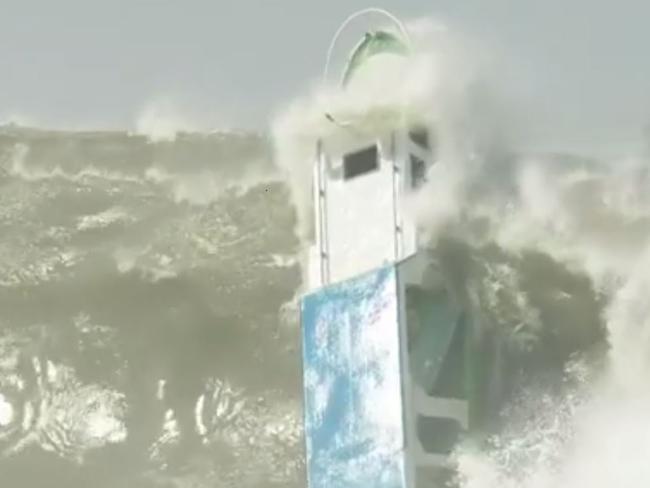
column 451, row 380
column 418, row 171
column 436, row 339
column 438, row 435
column 360, row 162
column 420, row 137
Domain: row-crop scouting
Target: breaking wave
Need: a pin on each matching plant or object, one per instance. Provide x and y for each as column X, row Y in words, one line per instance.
column 134, row 276
column 148, row 284
column 555, row 248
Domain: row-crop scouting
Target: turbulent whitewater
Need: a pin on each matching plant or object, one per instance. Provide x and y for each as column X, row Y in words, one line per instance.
column 553, row 249
column 142, row 323
column 147, row 293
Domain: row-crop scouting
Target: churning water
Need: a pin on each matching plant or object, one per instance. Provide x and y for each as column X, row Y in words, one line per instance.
column 148, row 337
column 142, row 338
column 553, row 248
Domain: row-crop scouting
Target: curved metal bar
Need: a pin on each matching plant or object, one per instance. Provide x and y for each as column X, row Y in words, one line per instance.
column 339, row 31
column 360, row 13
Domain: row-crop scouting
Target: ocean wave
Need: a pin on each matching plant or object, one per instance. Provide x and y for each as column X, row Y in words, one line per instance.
column 163, row 119
column 111, row 216
column 206, row 187
column 45, row 405
column 246, row 436
column 139, row 257
column 18, row 167
column 116, row 156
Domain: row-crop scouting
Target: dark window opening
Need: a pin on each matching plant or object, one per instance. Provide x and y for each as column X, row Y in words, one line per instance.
column 417, row 309
column 451, row 379
column 418, row 172
column 436, row 343
column 420, row 137
column 360, row 162
column 438, row 435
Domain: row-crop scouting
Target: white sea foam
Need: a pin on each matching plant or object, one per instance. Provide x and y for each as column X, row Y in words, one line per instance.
column 6, row 411
column 164, row 118
column 592, row 217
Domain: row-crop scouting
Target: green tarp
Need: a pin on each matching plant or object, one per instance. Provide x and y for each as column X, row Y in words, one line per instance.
column 374, row 43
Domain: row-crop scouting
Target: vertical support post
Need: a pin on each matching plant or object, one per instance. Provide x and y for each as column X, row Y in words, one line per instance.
column 410, row 435
column 397, row 178
column 321, row 214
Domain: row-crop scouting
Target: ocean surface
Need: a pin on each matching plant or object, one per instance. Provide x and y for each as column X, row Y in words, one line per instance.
column 146, row 333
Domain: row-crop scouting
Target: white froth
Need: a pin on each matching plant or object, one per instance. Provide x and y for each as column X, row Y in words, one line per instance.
column 6, row 411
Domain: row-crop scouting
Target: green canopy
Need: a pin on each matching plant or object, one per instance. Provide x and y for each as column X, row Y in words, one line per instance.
column 374, row 43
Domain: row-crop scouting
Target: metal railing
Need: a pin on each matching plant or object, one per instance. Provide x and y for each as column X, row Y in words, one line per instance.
column 321, row 213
